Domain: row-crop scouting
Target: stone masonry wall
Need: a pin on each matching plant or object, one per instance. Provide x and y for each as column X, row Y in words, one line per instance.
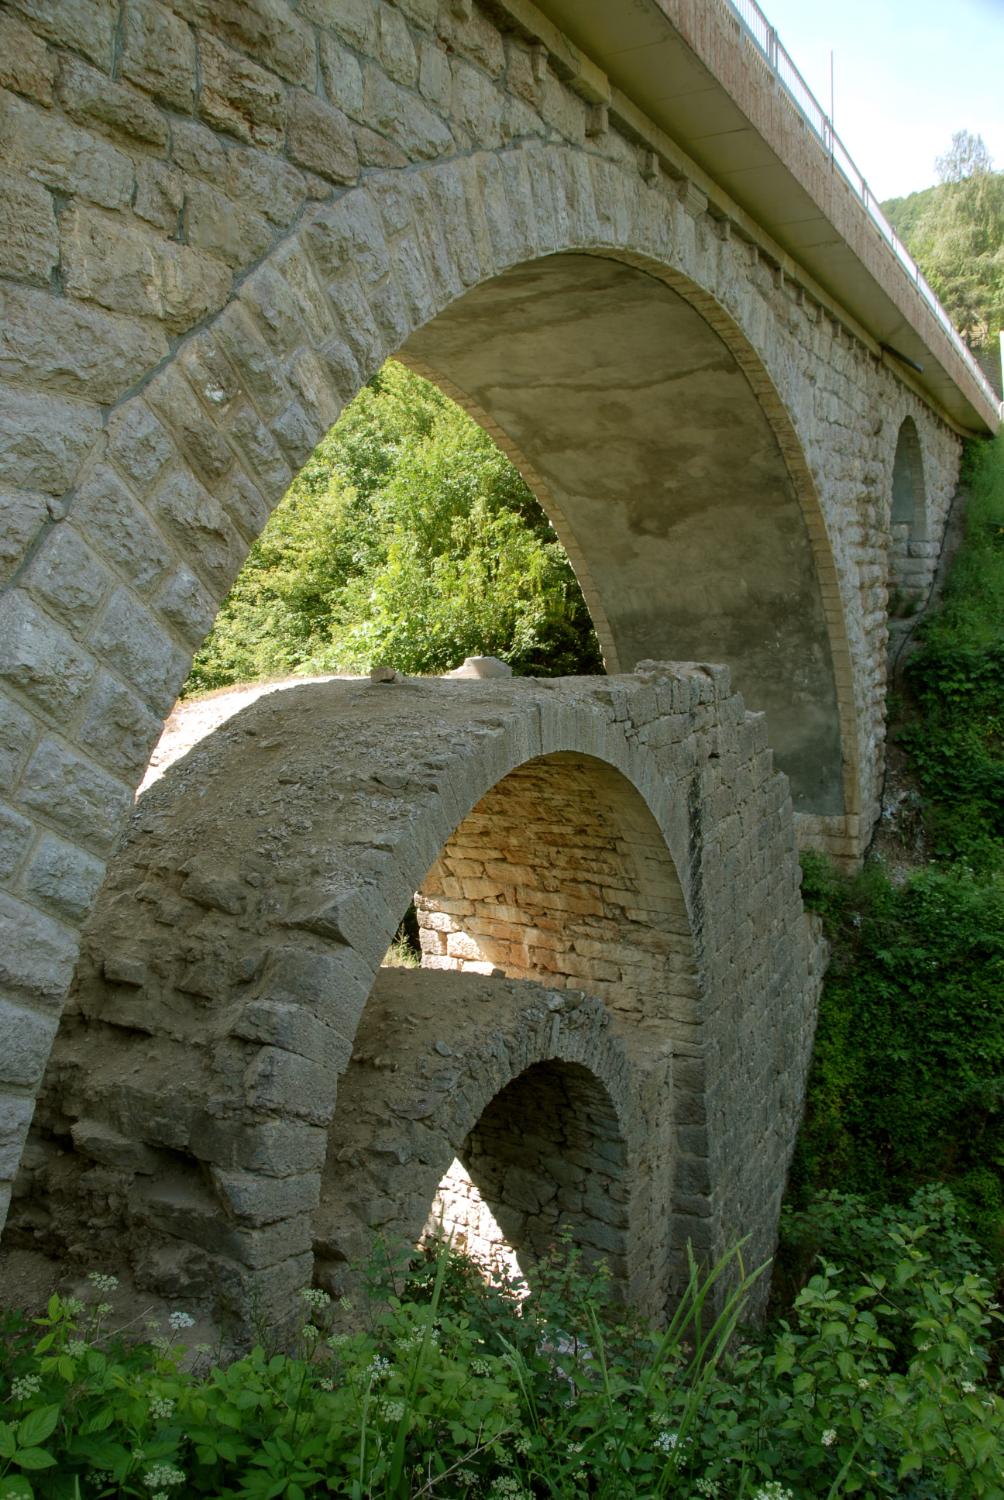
column 186, row 1112
column 560, row 1121
column 216, row 221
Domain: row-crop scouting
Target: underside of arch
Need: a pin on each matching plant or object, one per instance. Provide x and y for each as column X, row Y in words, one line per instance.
column 665, row 478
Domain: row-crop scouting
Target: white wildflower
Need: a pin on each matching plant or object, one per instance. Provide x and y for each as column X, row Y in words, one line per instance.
column 102, row 1283
column 162, row 1474
column 161, row 1408
column 969, row 1387
column 315, row 1297
column 829, row 1437
column 179, row 1320
column 23, row 1387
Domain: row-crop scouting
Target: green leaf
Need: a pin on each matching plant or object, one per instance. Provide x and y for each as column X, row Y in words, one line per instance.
column 37, row 1426
column 34, row 1458
column 8, row 1442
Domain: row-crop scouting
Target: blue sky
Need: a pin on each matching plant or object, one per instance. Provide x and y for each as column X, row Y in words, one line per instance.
column 908, row 74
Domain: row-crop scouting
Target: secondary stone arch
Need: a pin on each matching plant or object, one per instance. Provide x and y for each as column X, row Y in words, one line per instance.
column 236, row 942
column 554, row 1108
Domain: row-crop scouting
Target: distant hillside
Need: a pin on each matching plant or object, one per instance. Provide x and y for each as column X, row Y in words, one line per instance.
column 904, row 213
column 955, row 231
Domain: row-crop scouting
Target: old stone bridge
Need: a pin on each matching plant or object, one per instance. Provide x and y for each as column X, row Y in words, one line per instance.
column 610, row 233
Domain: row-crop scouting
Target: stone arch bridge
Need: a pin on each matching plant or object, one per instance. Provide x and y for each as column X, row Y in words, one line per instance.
column 607, row 866
column 648, row 283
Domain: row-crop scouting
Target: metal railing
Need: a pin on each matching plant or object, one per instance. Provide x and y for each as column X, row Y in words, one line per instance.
column 758, row 30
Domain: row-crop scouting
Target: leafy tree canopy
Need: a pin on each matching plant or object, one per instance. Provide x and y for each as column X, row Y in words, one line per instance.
column 955, row 231
column 408, row 539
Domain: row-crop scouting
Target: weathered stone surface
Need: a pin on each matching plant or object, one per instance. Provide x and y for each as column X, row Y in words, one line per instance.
column 319, row 138
column 239, row 97
column 44, row 438
column 92, row 99
column 43, row 145
column 17, row 735
column 63, row 878
column 138, row 443
column 118, row 728
column 129, row 269
column 395, row 48
column 224, row 228
column 27, row 1039
column 15, row 836
column 88, row 26
column 24, row 516
column 399, row 114
column 200, row 527
column 40, row 658
column 15, row 1116
column 26, row 64
column 482, row 666
column 268, row 29
column 36, row 956
column 66, row 577
column 29, row 239
column 343, row 77
column 160, row 194
column 143, row 653
column 77, row 796
column 67, row 346
column 186, row 605
column 158, row 52
column 119, row 528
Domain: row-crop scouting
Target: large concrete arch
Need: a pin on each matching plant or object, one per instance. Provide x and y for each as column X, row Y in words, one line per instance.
column 221, row 222
column 235, row 944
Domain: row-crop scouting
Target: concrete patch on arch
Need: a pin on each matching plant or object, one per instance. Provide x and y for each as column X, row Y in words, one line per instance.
column 188, row 1100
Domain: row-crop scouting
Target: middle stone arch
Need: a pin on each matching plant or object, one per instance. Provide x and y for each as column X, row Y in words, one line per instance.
column 235, row 945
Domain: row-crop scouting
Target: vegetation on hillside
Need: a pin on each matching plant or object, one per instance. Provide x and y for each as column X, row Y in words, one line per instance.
column 407, row 540
column 955, row 232
column 907, row 1084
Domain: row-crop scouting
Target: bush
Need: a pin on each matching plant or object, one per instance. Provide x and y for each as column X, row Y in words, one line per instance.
column 906, row 1080
column 876, row 1384
column 953, row 731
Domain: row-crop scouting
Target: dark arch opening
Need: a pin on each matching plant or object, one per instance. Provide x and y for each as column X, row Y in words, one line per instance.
column 547, row 1159
column 908, row 568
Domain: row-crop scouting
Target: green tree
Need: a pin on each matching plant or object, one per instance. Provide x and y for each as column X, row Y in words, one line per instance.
column 407, row 539
column 956, row 233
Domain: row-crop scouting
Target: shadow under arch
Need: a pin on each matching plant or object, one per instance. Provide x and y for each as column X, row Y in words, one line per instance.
column 649, row 429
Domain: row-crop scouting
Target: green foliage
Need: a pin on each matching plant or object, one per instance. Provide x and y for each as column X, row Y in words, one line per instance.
column 408, row 539
column 955, row 734
column 905, row 1086
column 878, row 1383
column 956, row 234
column 906, row 1081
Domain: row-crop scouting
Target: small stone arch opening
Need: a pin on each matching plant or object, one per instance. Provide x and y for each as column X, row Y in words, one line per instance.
column 909, row 551
column 561, row 874
column 546, row 1160
column 531, row 1124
